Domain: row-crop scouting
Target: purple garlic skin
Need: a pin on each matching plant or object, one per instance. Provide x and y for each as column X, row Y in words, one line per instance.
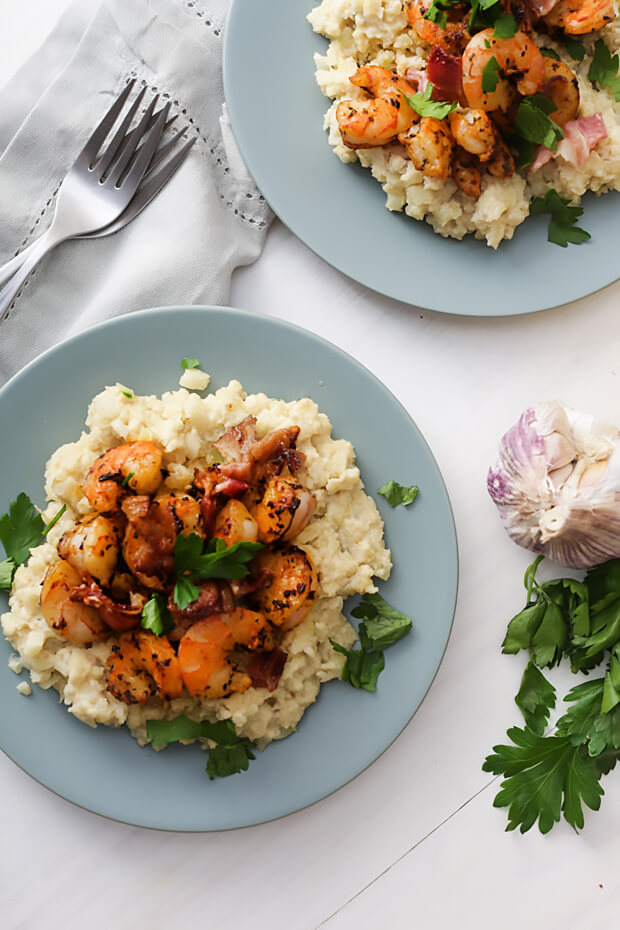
column 556, row 485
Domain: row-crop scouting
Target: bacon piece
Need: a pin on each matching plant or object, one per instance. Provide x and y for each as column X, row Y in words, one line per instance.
column 417, row 77
column 580, row 137
column 445, row 72
column 119, row 617
column 236, row 441
column 265, row 668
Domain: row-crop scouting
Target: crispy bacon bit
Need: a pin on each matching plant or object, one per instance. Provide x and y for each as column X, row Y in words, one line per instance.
column 580, row 137
column 445, row 73
column 417, row 77
column 265, row 668
column 208, row 602
column 119, row 617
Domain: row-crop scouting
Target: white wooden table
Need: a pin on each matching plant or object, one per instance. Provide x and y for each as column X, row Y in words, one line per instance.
column 414, row 841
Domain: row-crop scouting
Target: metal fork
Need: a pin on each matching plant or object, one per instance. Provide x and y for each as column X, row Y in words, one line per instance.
column 149, row 187
column 95, row 191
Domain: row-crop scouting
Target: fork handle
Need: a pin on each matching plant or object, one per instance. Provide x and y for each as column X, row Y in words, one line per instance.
column 9, row 268
column 39, row 248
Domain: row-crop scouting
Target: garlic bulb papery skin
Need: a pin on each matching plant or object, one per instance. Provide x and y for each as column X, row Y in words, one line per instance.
column 557, row 485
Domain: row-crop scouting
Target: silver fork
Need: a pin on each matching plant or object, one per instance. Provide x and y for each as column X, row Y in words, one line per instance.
column 95, row 191
column 149, row 187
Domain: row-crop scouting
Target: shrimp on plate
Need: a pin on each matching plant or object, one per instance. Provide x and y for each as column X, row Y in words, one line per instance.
column 141, row 665
column 131, row 467
column 451, row 38
column 381, row 117
column 429, row 146
column 580, row 17
column 521, row 69
column 288, row 595
column 72, row 620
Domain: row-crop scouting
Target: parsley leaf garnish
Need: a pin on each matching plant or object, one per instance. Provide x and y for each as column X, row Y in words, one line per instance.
column 127, row 393
column 436, row 11
column 21, row 529
column 562, row 229
column 575, row 49
column 396, row 493
column 381, row 627
column 193, row 561
column 532, row 121
column 550, row 53
column 506, row 27
column 423, row 104
column 230, row 755
column 483, row 13
column 155, row 616
column 490, row 76
column 189, row 363
column 381, row 624
column 7, row 570
column 127, row 479
column 604, row 68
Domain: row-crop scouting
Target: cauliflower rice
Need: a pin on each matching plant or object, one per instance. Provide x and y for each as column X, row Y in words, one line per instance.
column 377, row 32
column 344, row 540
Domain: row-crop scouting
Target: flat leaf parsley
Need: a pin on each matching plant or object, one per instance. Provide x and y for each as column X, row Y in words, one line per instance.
column 381, row 626
column 155, row 615
column 230, row 755
column 396, row 493
column 193, row 561
column 423, row 104
column 562, row 229
column 604, row 69
column 21, row 529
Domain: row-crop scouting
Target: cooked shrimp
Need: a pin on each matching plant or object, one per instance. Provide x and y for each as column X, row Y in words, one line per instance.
column 466, row 172
column 452, row 38
column 579, row 17
column 562, row 88
column 205, row 652
column 284, row 510
column 234, row 523
column 132, row 466
column 142, row 664
column 72, row 620
column 429, row 146
column 118, row 615
column 289, row 593
column 92, row 547
column 152, row 530
column 519, row 60
column 474, row 131
column 501, row 164
column 369, row 123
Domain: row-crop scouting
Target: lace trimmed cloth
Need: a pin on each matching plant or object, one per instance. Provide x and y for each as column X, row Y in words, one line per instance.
column 183, row 248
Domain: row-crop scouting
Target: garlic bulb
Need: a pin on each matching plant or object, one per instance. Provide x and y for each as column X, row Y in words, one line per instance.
column 557, row 485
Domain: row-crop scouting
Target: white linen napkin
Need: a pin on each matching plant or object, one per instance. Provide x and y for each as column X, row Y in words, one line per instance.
column 182, row 249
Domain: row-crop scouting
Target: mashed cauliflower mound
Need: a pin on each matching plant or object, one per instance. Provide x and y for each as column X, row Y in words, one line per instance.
column 376, row 32
column 344, row 540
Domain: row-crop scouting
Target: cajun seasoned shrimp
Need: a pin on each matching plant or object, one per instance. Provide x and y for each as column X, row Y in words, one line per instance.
column 501, row 164
column 579, row 17
column 152, row 530
column 474, row 131
column 369, row 123
column 206, row 659
column 71, row 619
column 284, row 510
column 234, row 523
column 92, row 547
column 466, row 172
column 452, row 38
column 521, row 65
column 142, row 664
column 562, row 88
column 132, row 466
column 290, row 589
column 429, row 146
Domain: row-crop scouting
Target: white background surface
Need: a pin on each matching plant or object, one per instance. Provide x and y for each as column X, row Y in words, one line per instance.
column 414, row 841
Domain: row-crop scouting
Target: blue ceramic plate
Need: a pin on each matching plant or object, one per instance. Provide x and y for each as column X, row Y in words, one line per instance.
column 339, row 210
column 104, row 770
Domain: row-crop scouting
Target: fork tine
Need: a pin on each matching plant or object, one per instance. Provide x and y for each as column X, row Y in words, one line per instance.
column 108, row 156
column 149, row 190
column 164, row 150
column 145, row 152
column 131, row 145
column 135, row 131
column 89, row 152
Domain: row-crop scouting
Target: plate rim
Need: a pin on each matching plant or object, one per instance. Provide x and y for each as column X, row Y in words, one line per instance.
column 199, row 309
column 282, row 213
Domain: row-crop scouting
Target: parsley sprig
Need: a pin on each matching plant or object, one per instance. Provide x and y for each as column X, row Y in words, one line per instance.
column 604, row 69
column 562, row 229
column 230, row 755
column 396, row 493
column 551, row 776
column 21, row 529
column 195, row 561
column 381, row 626
column 423, row 104
column 155, row 615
